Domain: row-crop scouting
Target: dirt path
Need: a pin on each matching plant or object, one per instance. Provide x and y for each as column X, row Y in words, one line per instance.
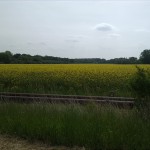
column 11, row 143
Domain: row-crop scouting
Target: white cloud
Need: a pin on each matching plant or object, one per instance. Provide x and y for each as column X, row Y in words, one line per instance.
column 104, row 27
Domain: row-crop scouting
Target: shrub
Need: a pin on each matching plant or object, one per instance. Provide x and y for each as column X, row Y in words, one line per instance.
column 140, row 84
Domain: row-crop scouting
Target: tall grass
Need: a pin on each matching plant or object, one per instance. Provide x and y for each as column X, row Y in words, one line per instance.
column 90, row 126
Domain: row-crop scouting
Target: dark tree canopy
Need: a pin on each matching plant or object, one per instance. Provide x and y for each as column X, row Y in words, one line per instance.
column 145, row 56
column 8, row 58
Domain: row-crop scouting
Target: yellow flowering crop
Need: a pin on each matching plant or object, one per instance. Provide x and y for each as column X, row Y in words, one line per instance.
column 83, row 79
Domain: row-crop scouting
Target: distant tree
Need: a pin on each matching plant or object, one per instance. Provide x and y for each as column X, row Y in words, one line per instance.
column 133, row 60
column 118, row 61
column 6, row 57
column 37, row 59
column 145, row 56
column 9, row 53
column 26, row 59
column 16, row 56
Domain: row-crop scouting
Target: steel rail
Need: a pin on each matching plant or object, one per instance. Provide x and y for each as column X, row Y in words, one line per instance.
column 51, row 98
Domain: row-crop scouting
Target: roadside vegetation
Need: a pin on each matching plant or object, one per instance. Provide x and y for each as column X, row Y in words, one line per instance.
column 140, row 85
column 90, row 126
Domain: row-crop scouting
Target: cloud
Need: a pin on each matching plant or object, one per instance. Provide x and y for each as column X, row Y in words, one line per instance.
column 75, row 38
column 30, row 43
column 114, row 35
column 37, row 43
column 142, row 30
column 104, row 27
column 72, row 40
column 42, row 43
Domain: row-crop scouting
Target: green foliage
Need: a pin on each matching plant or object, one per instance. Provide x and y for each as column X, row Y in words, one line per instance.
column 141, row 83
column 145, row 56
column 6, row 57
column 90, row 126
column 141, row 86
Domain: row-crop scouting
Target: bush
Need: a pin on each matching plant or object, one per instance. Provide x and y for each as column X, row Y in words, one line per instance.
column 140, row 84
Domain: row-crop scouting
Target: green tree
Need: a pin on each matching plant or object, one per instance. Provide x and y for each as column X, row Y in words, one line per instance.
column 6, row 57
column 145, row 56
column 132, row 60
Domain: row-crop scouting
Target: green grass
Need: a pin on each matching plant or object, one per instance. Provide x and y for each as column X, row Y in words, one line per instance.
column 73, row 125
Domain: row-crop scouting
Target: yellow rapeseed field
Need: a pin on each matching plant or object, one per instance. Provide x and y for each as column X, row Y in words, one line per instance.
column 83, row 79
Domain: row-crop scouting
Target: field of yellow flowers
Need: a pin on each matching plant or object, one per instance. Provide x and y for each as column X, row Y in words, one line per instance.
column 87, row 79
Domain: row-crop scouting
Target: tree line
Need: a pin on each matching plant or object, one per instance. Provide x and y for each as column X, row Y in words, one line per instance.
column 8, row 58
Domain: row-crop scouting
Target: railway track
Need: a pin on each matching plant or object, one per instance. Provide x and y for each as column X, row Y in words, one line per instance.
column 50, row 98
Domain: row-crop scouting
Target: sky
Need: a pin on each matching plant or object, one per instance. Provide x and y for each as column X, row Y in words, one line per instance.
column 75, row 28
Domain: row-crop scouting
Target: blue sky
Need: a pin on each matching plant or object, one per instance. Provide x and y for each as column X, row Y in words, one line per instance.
column 75, row 29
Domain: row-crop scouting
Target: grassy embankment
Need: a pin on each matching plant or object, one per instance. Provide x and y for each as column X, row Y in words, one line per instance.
column 74, row 125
